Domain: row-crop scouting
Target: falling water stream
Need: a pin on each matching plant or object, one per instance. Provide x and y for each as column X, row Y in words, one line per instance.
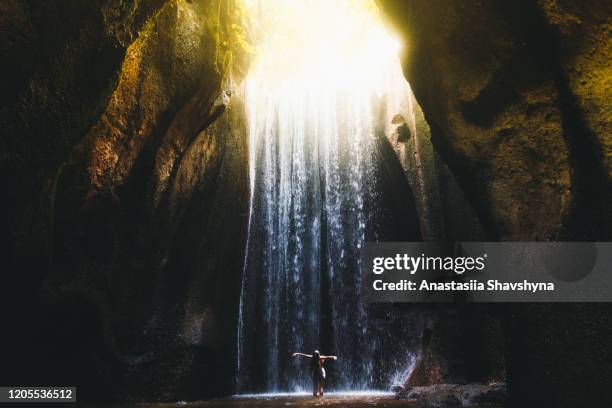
column 318, row 97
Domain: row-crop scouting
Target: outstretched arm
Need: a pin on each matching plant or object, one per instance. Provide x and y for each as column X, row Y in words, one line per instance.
column 329, row 357
column 302, row 354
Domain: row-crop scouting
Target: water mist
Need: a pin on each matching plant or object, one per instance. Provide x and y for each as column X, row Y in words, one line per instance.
column 325, row 85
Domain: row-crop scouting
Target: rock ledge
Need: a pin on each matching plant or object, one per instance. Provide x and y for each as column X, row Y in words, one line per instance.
column 456, row 395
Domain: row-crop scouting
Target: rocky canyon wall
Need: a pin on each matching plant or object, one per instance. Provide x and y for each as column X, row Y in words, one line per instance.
column 125, row 171
column 516, row 94
column 517, row 97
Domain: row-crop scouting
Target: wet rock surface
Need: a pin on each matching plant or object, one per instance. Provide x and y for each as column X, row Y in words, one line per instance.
column 124, row 152
column 514, row 95
column 456, row 395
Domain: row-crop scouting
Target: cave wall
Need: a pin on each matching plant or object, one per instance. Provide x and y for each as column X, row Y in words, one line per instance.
column 517, row 98
column 444, row 213
column 125, row 166
column 460, row 344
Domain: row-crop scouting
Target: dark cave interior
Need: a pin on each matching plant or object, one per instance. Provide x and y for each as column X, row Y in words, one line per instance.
column 125, row 165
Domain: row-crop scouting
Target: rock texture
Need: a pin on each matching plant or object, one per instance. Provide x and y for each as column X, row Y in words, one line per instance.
column 124, row 155
column 459, row 344
column 456, row 395
column 558, row 355
column 585, row 50
column 516, row 96
column 444, row 213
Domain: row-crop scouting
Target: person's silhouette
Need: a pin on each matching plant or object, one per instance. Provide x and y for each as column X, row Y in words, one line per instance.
column 318, row 372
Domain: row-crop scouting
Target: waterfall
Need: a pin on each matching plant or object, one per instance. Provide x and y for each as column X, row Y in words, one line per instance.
column 315, row 116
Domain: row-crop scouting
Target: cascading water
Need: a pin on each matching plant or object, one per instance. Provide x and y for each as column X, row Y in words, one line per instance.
column 319, row 98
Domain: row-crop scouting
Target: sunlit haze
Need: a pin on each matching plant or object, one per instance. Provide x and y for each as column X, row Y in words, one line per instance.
column 316, row 58
column 319, row 43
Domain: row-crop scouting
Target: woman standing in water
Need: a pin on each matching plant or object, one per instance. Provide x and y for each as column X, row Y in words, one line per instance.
column 318, row 372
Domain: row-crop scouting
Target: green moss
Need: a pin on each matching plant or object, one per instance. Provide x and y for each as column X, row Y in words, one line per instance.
column 227, row 24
